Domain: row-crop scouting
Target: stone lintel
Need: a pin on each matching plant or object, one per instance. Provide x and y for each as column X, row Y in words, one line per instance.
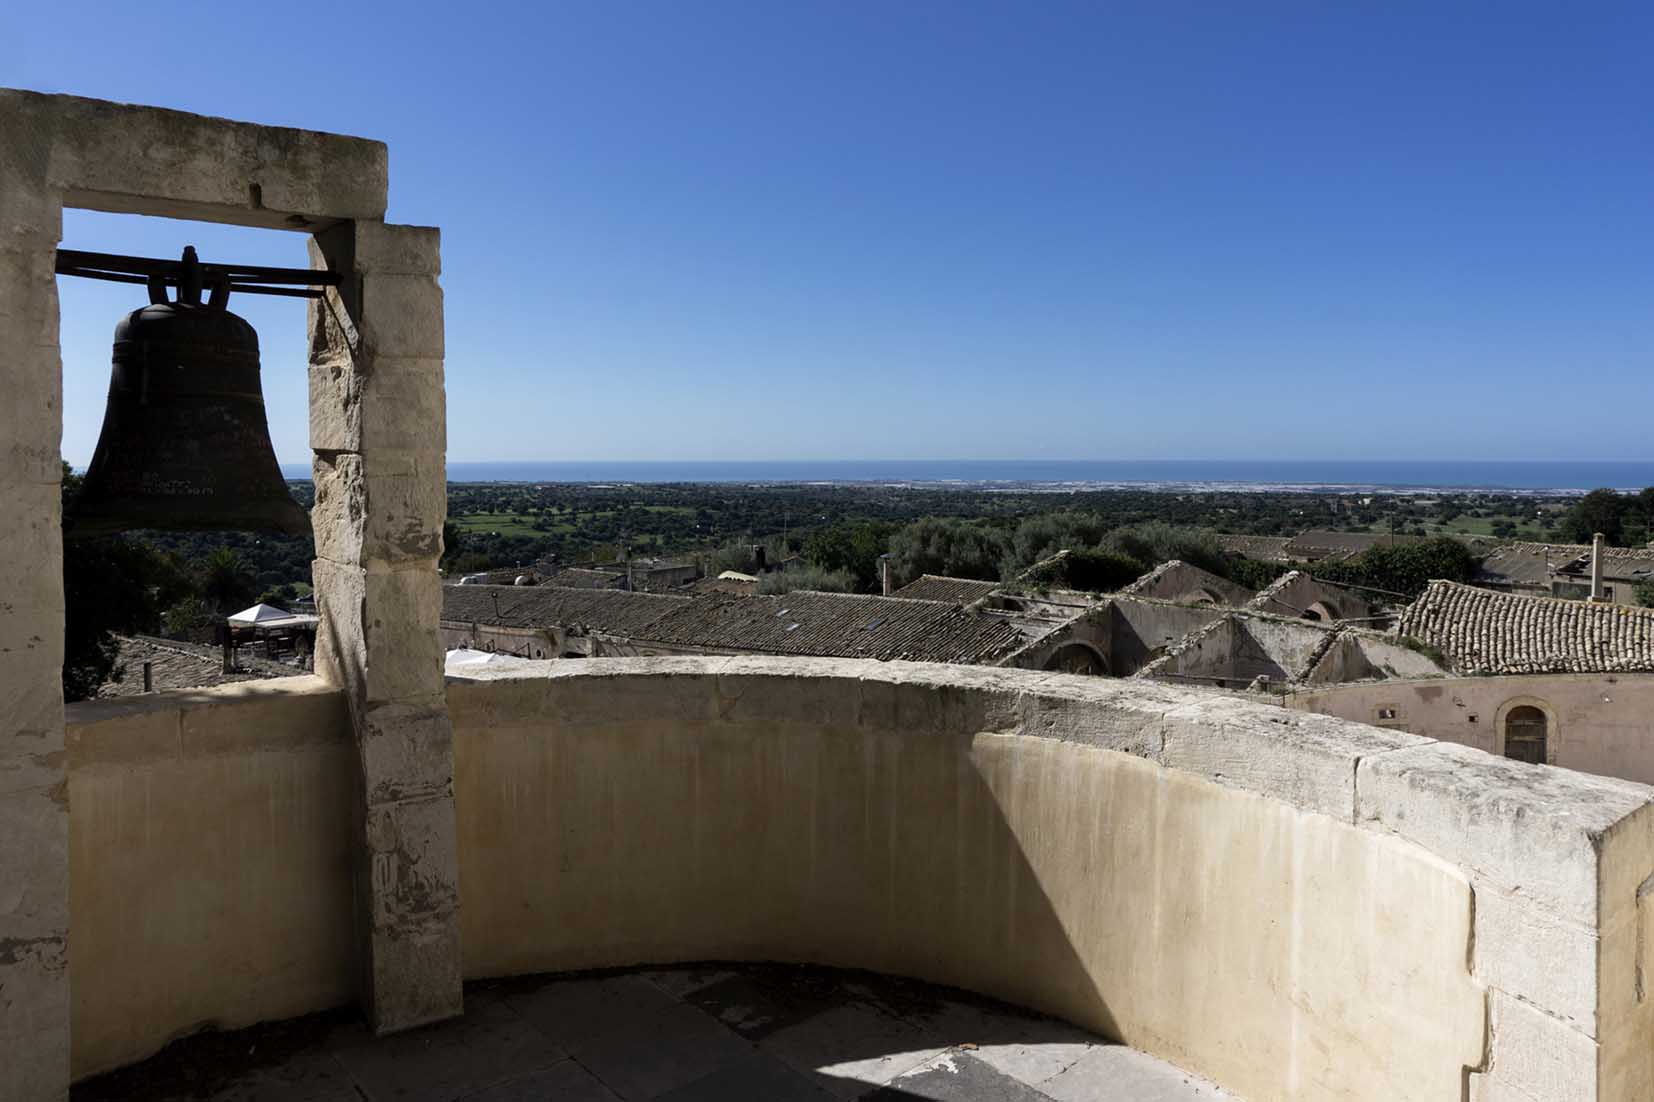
column 149, row 160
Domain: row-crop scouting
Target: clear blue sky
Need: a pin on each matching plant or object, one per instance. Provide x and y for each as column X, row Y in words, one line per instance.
column 848, row 230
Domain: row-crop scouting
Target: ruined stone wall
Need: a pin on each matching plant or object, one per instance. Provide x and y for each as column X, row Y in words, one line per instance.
column 1361, row 656
column 1296, row 593
column 1141, row 630
column 1182, row 583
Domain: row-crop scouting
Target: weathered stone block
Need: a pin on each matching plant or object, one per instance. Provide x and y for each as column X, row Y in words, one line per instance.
column 399, row 405
column 341, row 639
column 31, row 556
column 415, row 975
column 401, row 316
column 31, row 210
column 415, row 862
column 1530, row 830
column 31, row 417
column 379, row 636
column 1113, row 715
column 28, row 300
column 1534, row 1058
column 34, row 869
column 146, row 160
column 335, row 406
column 1525, row 950
column 34, row 1019
column 405, row 658
column 1307, row 760
column 378, row 520
column 383, row 249
column 407, row 751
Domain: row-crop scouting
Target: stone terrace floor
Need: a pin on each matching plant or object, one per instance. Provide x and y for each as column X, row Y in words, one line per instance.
column 769, row 1033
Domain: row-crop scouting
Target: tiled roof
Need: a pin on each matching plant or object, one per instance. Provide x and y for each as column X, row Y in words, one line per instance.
column 838, row 625
column 934, row 587
column 830, row 625
column 610, row 611
column 576, row 577
column 178, row 665
column 1323, row 544
column 1264, row 548
column 1482, row 631
column 1528, row 563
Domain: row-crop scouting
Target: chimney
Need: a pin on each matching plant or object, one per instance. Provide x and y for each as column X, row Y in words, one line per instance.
column 884, row 573
column 1596, row 567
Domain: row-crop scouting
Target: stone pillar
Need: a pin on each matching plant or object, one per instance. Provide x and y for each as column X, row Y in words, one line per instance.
column 377, row 426
column 34, row 801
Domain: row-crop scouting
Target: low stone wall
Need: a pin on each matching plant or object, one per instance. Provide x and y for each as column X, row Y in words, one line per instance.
column 1281, row 901
column 210, row 850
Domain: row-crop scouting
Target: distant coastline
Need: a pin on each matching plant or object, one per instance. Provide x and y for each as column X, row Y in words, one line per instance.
column 1062, row 476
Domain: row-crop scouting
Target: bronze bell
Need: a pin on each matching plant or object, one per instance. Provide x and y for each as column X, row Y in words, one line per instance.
column 185, row 443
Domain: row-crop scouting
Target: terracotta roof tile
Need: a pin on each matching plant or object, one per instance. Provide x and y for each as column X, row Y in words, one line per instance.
column 1482, row 631
column 935, row 587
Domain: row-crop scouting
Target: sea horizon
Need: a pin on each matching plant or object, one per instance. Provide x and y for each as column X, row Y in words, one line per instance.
column 1412, row 476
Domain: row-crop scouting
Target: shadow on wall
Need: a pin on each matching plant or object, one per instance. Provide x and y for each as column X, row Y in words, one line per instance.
column 773, row 826
column 913, row 826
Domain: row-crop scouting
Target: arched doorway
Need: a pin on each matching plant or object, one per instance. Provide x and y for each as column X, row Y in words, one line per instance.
column 1525, row 734
column 1321, row 612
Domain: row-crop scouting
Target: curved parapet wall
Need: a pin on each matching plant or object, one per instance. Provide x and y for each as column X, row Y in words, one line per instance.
column 1296, row 906
column 1248, row 893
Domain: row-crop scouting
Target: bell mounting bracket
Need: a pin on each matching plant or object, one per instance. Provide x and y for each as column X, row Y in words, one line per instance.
column 191, row 276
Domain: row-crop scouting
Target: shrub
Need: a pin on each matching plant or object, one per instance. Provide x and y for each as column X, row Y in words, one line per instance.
column 806, row 577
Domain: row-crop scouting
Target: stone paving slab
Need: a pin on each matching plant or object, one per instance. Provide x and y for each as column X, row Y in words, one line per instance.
column 706, row 1033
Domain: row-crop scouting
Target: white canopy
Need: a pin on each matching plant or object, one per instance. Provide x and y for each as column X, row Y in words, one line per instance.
column 260, row 614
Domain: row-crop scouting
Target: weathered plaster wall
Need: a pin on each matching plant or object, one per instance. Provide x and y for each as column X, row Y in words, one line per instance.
column 210, row 850
column 1142, row 629
column 1359, row 656
column 1599, row 723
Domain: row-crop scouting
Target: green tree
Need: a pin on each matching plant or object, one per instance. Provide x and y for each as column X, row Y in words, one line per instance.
column 1156, row 542
column 852, row 548
column 1644, row 594
column 812, row 578
column 1099, row 570
column 1405, row 569
column 948, row 546
column 453, row 541
column 110, row 585
column 225, row 583
column 1254, row 574
column 1041, row 536
column 1600, row 510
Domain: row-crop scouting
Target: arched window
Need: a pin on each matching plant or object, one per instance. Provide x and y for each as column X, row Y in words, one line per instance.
column 1077, row 658
column 1525, row 734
